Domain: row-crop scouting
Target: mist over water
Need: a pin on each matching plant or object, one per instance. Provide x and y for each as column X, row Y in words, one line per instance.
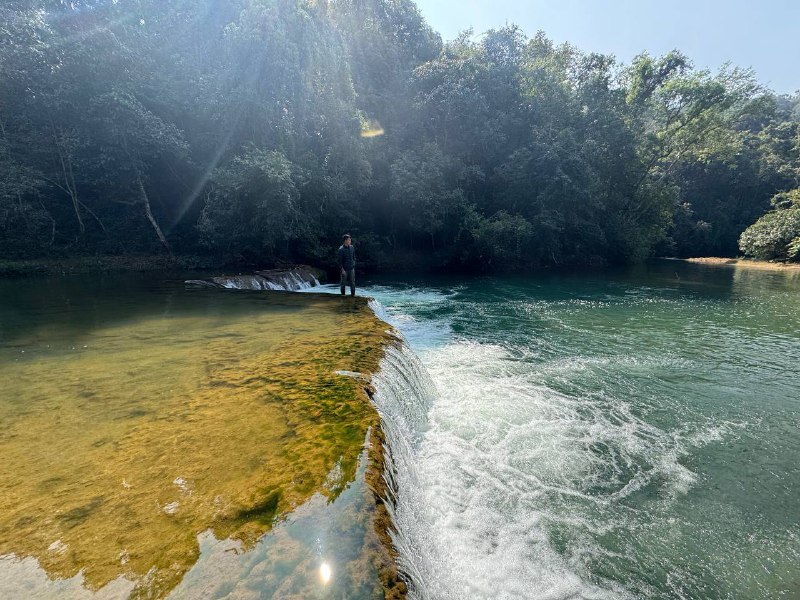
column 624, row 435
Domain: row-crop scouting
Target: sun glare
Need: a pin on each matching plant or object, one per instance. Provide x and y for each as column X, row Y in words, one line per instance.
column 325, row 573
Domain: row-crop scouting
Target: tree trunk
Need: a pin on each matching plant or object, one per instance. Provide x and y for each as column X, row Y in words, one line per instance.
column 149, row 214
column 65, row 158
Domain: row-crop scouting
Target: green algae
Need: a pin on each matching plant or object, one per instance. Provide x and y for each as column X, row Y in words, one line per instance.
column 125, row 438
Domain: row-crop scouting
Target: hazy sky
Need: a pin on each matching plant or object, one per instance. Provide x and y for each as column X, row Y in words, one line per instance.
column 762, row 34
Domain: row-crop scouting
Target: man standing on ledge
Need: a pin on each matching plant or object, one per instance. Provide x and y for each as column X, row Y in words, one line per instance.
column 346, row 259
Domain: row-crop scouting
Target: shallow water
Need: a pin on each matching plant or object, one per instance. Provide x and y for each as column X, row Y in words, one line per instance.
column 143, row 426
column 630, row 434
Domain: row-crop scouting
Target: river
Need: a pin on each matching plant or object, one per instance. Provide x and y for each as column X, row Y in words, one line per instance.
column 627, row 434
column 617, row 434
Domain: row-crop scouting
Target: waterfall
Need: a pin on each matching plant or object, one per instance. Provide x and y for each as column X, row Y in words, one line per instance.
column 289, row 280
column 459, row 530
column 403, row 397
column 247, row 282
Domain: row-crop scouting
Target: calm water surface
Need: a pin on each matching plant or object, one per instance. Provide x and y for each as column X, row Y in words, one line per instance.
column 150, row 435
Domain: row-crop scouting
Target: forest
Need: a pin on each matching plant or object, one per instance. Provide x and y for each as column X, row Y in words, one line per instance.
column 259, row 131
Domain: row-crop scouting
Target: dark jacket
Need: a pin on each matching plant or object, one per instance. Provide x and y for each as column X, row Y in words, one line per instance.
column 346, row 257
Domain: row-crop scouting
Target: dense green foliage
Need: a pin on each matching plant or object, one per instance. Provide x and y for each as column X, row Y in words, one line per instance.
column 260, row 130
column 776, row 235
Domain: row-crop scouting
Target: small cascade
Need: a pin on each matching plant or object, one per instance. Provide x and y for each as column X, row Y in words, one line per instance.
column 403, row 397
column 245, row 282
column 286, row 280
column 291, row 279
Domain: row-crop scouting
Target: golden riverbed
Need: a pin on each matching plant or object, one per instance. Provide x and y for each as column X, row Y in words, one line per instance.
column 125, row 438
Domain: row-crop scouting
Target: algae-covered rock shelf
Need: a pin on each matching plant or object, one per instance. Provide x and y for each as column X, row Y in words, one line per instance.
column 144, row 426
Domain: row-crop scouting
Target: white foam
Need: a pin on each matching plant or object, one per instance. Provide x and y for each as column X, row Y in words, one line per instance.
column 507, row 463
column 486, row 460
column 468, row 510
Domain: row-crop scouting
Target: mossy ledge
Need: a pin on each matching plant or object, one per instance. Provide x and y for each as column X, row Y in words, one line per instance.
column 141, row 431
column 383, row 551
column 394, row 585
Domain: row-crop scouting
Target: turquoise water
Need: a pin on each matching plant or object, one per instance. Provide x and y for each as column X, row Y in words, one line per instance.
column 631, row 434
column 624, row 434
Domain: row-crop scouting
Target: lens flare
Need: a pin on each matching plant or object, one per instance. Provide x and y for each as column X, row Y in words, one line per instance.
column 371, row 128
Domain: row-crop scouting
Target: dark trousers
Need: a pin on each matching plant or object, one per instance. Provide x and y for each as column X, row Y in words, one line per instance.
column 349, row 277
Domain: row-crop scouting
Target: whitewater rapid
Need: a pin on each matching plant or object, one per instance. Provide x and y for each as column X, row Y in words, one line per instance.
column 468, row 477
column 475, row 445
column 520, row 469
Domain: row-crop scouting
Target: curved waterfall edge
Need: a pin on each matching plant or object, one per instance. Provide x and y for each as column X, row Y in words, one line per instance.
column 283, row 280
column 402, row 393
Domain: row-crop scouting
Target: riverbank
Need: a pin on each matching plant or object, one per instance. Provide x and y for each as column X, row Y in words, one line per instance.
column 745, row 263
column 105, row 264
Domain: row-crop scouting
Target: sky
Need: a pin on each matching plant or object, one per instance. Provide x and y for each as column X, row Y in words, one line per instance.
column 761, row 34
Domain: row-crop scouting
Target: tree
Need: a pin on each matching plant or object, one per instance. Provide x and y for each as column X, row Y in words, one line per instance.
column 776, row 235
column 252, row 207
column 425, row 193
column 260, row 130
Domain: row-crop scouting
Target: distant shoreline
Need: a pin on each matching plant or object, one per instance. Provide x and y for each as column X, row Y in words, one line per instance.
column 103, row 264
column 12, row 268
column 742, row 262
